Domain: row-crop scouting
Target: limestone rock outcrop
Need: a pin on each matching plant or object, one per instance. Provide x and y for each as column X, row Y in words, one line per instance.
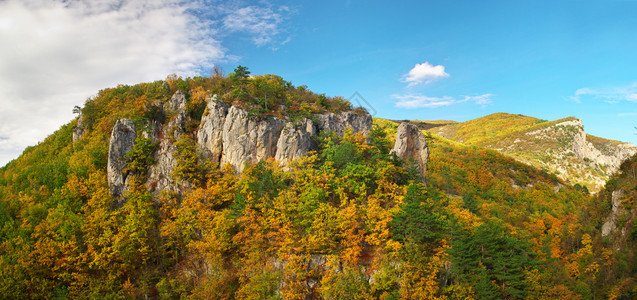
column 177, row 104
column 411, row 144
column 122, row 140
column 160, row 174
column 229, row 135
column 151, row 131
column 78, row 131
column 210, row 133
column 226, row 135
column 347, row 119
column 295, row 141
column 611, row 223
column 610, row 157
column 247, row 139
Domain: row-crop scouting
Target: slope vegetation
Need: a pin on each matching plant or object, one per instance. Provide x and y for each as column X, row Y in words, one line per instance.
column 347, row 221
column 561, row 146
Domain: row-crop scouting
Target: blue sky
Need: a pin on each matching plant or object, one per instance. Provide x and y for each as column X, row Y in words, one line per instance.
column 531, row 57
column 428, row 60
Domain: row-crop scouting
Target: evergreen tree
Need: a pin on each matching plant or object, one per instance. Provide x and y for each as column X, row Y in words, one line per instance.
column 490, row 258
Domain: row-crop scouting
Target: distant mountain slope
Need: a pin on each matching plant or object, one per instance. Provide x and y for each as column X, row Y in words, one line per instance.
column 561, row 146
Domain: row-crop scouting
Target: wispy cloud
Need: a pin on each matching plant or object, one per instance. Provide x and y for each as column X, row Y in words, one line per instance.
column 421, row 101
column 607, row 94
column 261, row 23
column 56, row 53
column 631, row 114
column 424, row 73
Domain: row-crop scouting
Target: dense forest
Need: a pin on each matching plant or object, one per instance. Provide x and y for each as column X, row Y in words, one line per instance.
column 348, row 221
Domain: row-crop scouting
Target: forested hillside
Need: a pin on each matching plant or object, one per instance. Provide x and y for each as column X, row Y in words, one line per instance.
column 561, row 146
column 349, row 220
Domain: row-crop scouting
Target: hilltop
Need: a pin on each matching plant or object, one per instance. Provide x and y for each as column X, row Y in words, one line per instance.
column 561, row 146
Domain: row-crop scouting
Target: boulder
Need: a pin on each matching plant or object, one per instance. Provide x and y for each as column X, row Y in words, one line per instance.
column 122, row 140
column 411, row 144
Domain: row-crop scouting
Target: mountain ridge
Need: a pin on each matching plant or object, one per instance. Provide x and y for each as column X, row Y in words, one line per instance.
column 560, row 146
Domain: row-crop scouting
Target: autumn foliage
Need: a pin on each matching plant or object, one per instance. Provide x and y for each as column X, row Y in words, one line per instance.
column 349, row 221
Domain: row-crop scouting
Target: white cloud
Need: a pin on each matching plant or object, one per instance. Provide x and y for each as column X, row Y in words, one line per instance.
column 424, row 72
column 607, row 94
column 630, row 114
column 421, row 101
column 261, row 23
column 55, row 54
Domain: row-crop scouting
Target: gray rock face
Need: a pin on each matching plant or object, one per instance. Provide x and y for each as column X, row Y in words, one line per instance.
column 295, row 141
column 210, row 133
column 611, row 224
column 78, row 131
column 228, row 135
column 122, row 140
column 574, row 156
column 359, row 122
column 348, row 119
column 584, row 149
column 177, row 102
column 160, row 174
column 248, row 139
column 152, row 131
column 411, row 144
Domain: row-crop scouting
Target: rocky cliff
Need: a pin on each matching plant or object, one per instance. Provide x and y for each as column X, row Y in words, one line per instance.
column 210, row 133
column 411, row 145
column 226, row 135
column 248, row 140
column 620, row 224
column 579, row 157
column 229, row 135
column 122, row 140
column 560, row 146
column 616, row 207
column 585, row 148
column 160, row 175
column 295, row 141
column 78, row 131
